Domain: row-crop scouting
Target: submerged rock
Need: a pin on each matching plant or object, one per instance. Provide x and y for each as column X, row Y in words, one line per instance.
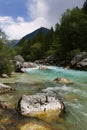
column 39, row 105
column 34, row 126
column 62, row 80
column 5, row 88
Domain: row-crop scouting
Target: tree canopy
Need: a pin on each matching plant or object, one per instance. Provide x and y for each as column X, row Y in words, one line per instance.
column 6, row 66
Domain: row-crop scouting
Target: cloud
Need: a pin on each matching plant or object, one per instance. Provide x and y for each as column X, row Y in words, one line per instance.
column 37, row 8
column 51, row 10
column 19, row 28
column 20, row 19
column 6, row 20
column 41, row 12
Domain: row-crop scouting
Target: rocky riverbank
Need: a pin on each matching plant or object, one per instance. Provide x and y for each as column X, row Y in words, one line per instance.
column 20, row 64
column 79, row 62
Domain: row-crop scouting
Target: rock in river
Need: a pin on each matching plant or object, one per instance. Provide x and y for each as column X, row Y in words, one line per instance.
column 62, row 81
column 39, row 105
column 4, row 105
column 5, row 88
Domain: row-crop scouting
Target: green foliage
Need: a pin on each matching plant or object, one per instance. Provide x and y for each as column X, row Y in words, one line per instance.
column 35, row 51
column 6, row 66
column 25, row 49
column 6, row 54
column 68, row 32
column 73, row 30
column 85, row 7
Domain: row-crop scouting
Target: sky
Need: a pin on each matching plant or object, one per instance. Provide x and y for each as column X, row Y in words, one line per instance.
column 20, row 17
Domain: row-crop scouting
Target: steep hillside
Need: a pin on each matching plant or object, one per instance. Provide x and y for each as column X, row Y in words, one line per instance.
column 13, row 43
column 36, row 32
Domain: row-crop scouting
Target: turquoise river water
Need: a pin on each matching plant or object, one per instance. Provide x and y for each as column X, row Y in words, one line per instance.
column 34, row 80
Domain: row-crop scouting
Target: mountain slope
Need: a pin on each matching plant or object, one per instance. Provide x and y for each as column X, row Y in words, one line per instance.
column 36, row 32
column 13, row 43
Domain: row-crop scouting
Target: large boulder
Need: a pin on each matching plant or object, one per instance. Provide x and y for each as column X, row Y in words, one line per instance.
column 80, row 61
column 39, row 104
column 20, row 64
column 82, row 64
column 5, row 88
column 18, row 61
column 19, row 58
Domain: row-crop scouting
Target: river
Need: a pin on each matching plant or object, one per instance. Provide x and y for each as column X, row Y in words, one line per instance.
column 34, row 80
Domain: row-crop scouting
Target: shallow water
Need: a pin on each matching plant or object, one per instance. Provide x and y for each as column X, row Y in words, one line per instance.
column 74, row 97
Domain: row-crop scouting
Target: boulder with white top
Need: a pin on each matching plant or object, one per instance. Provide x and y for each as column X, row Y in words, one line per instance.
column 39, row 104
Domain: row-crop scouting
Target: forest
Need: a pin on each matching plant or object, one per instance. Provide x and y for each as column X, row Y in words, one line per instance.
column 65, row 40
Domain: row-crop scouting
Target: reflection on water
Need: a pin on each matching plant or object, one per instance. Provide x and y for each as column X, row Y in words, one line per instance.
column 74, row 96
